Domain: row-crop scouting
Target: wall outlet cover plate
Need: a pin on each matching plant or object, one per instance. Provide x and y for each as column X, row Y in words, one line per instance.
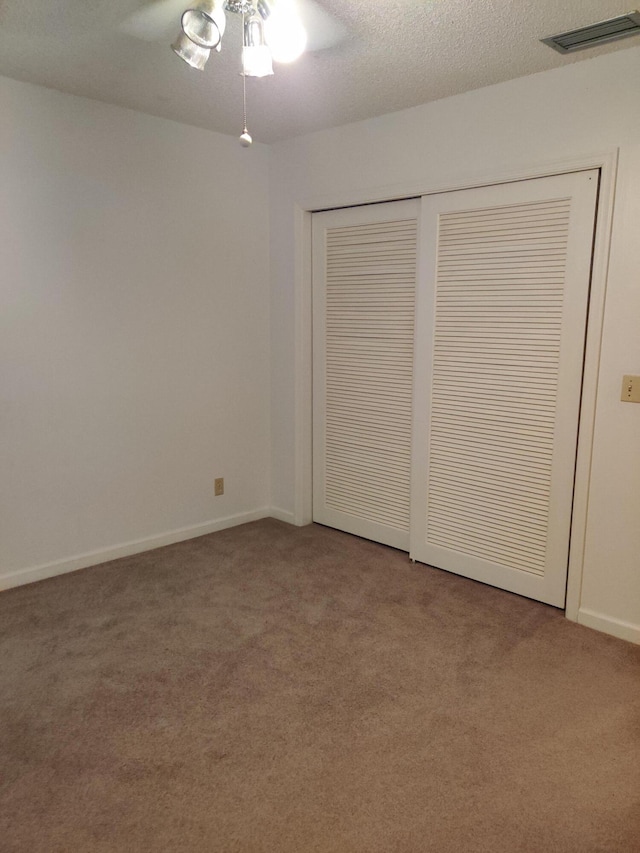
column 630, row 389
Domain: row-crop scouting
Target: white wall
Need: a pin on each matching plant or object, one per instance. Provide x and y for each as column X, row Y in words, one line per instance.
column 578, row 110
column 134, row 331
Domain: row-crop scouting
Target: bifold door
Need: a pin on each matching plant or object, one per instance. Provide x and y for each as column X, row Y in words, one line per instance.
column 459, row 447
column 364, row 275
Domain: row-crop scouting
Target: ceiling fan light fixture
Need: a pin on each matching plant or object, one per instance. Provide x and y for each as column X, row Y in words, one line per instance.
column 205, row 23
column 271, row 29
column 191, row 53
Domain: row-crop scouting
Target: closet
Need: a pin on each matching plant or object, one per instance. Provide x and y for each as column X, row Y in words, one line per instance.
column 448, row 343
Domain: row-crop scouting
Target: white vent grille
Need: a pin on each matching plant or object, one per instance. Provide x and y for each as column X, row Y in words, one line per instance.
column 498, row 325
column 370, row 300
column 596, row 34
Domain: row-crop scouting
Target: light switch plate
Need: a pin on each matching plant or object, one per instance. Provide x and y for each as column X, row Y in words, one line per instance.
column 630, row 389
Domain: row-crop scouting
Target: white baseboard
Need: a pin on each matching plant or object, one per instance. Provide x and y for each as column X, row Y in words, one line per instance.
column 126, row 549
column 282, row 515
column 615, row 627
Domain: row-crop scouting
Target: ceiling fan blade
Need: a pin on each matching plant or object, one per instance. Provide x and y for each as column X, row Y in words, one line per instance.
column 157, row 21
column 323, row 30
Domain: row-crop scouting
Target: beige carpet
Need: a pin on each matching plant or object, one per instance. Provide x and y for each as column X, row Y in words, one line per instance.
column 269, row 688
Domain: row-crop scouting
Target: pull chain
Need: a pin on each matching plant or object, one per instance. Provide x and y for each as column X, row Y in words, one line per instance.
column 245, row 136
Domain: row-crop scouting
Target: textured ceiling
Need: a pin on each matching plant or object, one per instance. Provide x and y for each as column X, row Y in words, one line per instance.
column 397, row 54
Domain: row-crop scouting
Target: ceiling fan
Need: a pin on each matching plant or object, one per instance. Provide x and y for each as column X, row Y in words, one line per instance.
column 156, row 21
column 272, row 30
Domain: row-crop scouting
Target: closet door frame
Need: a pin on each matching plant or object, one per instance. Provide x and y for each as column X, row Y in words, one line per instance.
column 606, row 162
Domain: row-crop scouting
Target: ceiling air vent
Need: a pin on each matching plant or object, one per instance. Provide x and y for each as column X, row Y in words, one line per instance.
column 605, row 31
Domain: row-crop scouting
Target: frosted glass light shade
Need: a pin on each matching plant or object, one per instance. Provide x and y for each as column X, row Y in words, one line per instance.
column 205, row 23
column 256, row 56
column 256, row 61
column 192, row 54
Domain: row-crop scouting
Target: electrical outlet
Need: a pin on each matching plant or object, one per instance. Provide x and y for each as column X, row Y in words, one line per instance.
column 218, row 486
column 630, row 389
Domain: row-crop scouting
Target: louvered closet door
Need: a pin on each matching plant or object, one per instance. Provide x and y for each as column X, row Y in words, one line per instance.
column 500, row 340
column 364, row 277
